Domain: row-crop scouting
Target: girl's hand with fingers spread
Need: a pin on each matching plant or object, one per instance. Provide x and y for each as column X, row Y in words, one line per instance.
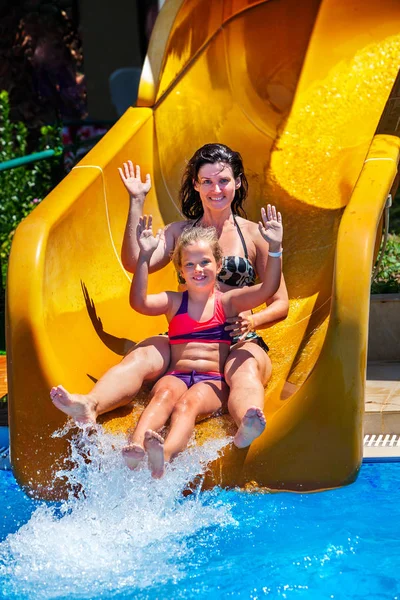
column 148, row 243
column 271, row 227
column 133, row 182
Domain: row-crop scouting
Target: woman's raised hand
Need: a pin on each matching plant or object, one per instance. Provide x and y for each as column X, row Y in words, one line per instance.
column 144, row 233
column 271, row 227
column 133, row 182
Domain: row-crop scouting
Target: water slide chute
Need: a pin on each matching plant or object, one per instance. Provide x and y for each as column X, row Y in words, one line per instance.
column 299, row 89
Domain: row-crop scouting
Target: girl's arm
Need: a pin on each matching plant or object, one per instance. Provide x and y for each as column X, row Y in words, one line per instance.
column 140, row 300
column 137, row 190
column 242, row 299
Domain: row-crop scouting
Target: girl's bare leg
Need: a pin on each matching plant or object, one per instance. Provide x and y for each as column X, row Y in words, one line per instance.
column 163, row 398
column 148, row 360
column 201, row 399
column 247, row 371
column 154, row 446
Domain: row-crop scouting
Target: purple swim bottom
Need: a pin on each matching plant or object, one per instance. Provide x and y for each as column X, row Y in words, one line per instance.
column 193, row 377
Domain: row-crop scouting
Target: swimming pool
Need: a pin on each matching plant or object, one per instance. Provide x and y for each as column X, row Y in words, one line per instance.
column 132, row 537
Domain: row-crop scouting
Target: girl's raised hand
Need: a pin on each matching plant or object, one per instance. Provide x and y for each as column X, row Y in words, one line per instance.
column 144, row 233
column 133, row 182
column 271, row 227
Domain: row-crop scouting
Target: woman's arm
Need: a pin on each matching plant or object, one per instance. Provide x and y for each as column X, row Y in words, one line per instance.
column 276, row 310
column 140, row 300
column 137, row 190
column 270, row 231
column 278, row 304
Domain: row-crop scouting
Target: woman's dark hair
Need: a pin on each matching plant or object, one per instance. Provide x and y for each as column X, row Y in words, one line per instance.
column 191, row 205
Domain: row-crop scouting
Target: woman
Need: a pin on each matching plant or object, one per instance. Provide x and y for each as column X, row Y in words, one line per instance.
column 213, row 190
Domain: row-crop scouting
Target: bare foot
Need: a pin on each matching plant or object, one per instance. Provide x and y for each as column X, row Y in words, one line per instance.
column 252, row 425
column 77, row 406
column 132, row 455
column 154, row 446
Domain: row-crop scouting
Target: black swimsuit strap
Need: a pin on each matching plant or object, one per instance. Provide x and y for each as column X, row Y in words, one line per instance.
column 241, row 236
column 238, row 230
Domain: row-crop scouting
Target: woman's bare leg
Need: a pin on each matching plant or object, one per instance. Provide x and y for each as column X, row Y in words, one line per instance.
column 201, row 399
column 148, row 360
column 163, row 398
column 247, row 371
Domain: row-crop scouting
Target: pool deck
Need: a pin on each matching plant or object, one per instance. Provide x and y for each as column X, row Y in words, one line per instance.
column 382, row 398
column 382, row 411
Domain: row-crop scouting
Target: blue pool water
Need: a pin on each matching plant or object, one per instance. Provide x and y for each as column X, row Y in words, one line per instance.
column 133, row 537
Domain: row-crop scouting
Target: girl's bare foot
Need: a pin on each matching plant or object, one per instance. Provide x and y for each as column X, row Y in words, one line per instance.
column 78, row 406
column 252, row 425
column 154, row 446
column 132, row 454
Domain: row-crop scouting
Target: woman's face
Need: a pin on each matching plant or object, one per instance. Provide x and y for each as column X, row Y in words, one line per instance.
column 216, row 186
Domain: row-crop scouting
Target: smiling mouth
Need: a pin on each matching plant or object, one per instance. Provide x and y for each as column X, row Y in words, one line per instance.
column 199, row 277
column 217, row 199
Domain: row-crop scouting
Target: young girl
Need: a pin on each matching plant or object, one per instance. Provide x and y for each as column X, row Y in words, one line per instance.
column 194, row 385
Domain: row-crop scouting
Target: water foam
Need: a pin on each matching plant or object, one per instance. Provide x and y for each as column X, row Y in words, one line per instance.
column 122, row 530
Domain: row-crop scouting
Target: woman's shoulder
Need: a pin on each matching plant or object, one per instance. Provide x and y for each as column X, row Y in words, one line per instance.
column 176, row 227
column 247, row 226
column 180, row 225
column 251, row 234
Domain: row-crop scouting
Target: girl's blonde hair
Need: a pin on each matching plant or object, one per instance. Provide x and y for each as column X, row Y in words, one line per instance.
column 192, row 235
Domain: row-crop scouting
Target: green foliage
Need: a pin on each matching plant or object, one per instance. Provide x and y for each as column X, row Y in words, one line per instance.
column 388, row 277
column 22, row 188
column 394, row 221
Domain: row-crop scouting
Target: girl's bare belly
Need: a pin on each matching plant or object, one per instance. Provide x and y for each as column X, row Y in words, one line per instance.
column 199, row 357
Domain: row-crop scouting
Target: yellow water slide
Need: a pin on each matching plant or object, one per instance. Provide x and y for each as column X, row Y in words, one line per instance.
column 300, row 89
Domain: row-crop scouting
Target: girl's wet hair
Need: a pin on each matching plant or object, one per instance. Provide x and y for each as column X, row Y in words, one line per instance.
column 191, row 205
column 192, row 235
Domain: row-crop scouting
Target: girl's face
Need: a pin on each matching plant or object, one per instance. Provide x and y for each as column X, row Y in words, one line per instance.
column 216, row 186
column 199, row 267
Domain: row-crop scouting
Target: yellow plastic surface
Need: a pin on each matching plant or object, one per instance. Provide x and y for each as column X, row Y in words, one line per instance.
column 298, row 88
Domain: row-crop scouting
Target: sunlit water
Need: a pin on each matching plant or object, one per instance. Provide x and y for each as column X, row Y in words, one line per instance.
column 129, row 536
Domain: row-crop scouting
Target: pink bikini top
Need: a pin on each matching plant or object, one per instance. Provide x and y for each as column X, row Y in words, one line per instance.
column 183, row 328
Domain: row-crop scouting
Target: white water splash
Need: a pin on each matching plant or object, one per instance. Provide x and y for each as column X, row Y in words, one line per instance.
column 123, row 531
